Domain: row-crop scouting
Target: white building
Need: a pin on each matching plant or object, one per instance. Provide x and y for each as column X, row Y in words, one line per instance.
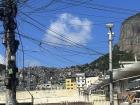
column 84, row 82
column 45, row 86
column 80, row 80
column 91, row 81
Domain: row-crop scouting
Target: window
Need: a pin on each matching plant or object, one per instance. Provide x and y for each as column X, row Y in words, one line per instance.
column 73, row 80
column 78, row 79
column 71, row 84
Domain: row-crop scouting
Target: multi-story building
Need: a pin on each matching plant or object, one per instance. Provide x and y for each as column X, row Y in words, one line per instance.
column 80, row 80
column 91, row 81
column 70, row 83
column 84, row 82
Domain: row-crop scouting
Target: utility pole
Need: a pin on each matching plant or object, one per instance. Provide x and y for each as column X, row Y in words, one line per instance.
column 110, row 33
column 8, row 14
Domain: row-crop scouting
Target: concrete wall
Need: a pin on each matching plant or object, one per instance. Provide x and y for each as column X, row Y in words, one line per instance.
column 46, row 96
column 57, row 96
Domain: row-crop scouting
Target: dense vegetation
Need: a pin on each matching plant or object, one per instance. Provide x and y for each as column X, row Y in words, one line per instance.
column 102, row 63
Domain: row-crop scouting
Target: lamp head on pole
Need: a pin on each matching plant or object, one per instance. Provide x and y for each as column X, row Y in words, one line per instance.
column 110, row 25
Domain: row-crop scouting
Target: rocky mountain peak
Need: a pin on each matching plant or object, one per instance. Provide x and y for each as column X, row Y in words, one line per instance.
column 130, row 35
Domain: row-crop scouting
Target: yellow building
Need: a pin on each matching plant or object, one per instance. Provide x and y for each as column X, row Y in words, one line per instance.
column 70, row 83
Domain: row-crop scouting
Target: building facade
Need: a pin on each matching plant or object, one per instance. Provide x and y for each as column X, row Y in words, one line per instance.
column 91, row 81
column 70, row 83
column 80, row 80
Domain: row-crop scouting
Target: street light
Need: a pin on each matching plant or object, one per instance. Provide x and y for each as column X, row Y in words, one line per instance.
column 110, row 25
column 110, row 33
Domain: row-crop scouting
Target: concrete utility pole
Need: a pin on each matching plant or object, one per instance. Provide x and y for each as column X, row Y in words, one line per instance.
column 8, row 14
column 110, row 33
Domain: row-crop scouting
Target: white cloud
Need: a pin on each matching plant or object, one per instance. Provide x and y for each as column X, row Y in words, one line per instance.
column 2, row 60
column 71, row 27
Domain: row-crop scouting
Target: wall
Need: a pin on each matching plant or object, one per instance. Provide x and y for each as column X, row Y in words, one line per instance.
column 56, row 96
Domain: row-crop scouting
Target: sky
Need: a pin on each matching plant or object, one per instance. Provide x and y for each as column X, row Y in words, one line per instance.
column 63, row 33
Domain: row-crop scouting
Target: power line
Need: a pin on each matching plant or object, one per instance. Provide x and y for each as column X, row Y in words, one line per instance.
column 37, row 9
column 62, row 36
column 98, row 16
column 54, row 10
column 57, row 55
column 101, row 8
column 55, row 45
column 49, row 43
column 40, row 45
column 44, row 6
column 43, row 30
column 94, row 24
column 94, row 6
column 54, row 54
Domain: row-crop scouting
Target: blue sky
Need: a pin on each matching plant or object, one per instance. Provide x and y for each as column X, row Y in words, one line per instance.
column 68, row 32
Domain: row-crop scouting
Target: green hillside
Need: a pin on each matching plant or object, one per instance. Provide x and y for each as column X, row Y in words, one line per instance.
column 102, row 63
